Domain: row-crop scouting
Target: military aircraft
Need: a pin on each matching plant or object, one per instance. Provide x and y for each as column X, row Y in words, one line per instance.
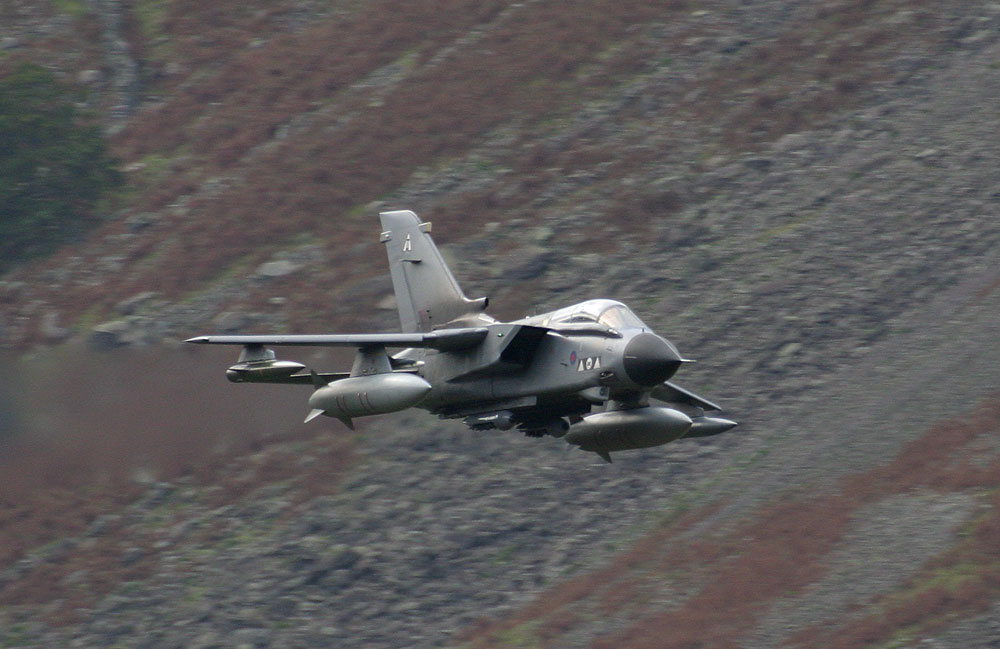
column 543, row 375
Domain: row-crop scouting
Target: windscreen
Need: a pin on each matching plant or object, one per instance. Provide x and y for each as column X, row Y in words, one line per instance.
column 620, row 317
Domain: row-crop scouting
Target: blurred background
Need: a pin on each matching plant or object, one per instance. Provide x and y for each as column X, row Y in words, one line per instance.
column 804, row 197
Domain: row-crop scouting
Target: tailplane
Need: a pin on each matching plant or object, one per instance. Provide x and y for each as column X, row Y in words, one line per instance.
column 427, row 294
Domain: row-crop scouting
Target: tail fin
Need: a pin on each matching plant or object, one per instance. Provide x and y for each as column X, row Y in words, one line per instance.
column 426, row 292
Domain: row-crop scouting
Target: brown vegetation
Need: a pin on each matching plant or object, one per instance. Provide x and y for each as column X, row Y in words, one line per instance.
column 77, row 568
column 97, row 445
column 964, row 580
column 736, row 577
column 264, row 134
column 438, row 111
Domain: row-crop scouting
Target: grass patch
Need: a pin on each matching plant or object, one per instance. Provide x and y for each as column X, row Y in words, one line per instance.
column 523, row 636
column 16, row 635
column 505, row 555
column 150, row 15
column 792, row 225
column 74, row 8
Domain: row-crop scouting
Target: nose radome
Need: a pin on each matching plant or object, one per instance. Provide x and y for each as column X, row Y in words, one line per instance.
column 650, row 360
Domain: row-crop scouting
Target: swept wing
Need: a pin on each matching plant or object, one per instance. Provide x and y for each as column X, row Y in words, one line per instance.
column 442, row 339
column 673, row 393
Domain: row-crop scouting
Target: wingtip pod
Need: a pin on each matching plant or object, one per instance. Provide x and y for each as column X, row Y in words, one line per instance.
column 262, row 371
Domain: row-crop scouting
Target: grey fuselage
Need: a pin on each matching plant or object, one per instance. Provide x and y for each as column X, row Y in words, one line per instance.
column 562, row 364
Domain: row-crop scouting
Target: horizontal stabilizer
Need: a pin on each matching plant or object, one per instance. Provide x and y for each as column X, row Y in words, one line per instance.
column 442, row 339
column 672, row 393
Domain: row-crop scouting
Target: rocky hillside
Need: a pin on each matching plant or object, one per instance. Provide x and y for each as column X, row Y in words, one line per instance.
column 803, row 196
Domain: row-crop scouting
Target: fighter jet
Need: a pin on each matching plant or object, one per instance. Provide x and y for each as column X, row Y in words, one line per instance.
column 588, row 373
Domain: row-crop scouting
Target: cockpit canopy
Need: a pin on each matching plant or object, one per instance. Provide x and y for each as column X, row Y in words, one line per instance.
column 606, row 312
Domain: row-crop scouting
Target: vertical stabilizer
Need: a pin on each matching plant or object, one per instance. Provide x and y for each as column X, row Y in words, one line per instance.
column 426, row 292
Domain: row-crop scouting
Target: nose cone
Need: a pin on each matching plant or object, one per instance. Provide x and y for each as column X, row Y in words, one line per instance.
column 650, row 360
